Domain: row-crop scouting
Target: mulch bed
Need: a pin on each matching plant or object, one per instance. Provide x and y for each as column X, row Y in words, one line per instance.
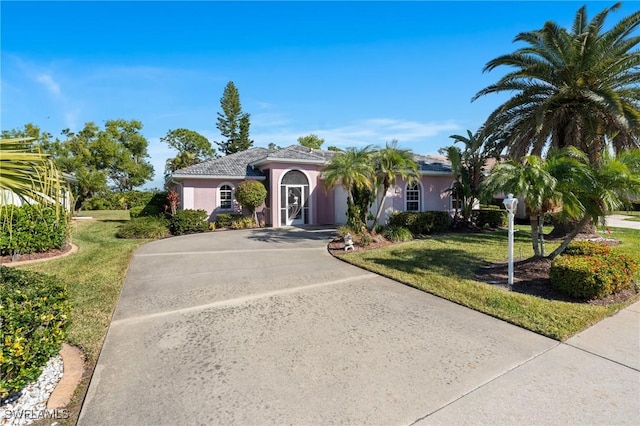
column 35, row 256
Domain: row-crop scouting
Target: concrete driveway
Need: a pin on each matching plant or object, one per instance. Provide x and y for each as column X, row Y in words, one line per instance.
column 265, row 327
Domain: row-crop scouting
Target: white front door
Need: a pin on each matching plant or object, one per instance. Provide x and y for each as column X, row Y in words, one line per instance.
column 295, row 205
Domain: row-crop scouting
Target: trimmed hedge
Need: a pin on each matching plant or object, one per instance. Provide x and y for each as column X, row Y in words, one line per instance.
column 591, row 271
column 32, row 229
column 189, row 222
column 144, row 227
column 421, row 222
column 493, row 217
column 34, row 316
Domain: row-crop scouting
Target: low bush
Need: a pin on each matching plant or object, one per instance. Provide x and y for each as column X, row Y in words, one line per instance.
column 34, row 317
column 592, row 276
column 365, row 240
column 189, row 222
column 587, row 248
column 397, row 234
column 155, row 206
column 32, row 229
column 421, row 222
column 144, row 227
column 243, row 222
column 223, row 220
column 493, row 217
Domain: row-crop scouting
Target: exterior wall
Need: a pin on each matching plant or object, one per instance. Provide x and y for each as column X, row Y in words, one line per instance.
column 317, row 199
column 433, row 197
column 203, row 194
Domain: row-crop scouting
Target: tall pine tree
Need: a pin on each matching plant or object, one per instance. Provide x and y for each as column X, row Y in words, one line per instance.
column 233, row 123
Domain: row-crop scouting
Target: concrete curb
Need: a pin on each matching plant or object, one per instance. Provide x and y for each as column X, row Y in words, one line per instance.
column 74, row 249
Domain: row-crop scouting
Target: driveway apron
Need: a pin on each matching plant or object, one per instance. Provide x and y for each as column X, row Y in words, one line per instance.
column 265, row 327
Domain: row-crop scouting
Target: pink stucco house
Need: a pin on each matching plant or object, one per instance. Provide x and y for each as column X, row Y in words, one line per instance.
column 297, row 194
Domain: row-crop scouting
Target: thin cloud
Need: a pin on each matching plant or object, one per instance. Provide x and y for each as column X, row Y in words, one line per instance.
column 48, row 81
column 374, row 131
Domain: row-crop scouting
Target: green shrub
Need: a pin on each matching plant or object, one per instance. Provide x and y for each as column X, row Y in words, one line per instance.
column 397, row 234
column 32, row 229
column 587, row 248
column 365, row 240
column 155, row 206
column 344, row 230
column 421, row 222
column 189, row 222
column 34, row 316
column 144, row 227
column 592, row 276
column 494, row 217
column 378, row 229
column 250, row 194
column 223, row 220
column 242, row 223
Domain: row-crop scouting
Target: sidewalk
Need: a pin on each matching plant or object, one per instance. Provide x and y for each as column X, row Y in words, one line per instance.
column 618, row 221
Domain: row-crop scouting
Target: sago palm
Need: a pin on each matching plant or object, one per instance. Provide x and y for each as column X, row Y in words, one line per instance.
column 573, row 87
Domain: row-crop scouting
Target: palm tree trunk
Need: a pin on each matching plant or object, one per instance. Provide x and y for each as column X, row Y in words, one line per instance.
column 380, row 206
column 541, row 235
column 585, row 220
column 533, row 220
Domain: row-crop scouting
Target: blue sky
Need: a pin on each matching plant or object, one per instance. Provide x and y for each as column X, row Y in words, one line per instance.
column 354, row 73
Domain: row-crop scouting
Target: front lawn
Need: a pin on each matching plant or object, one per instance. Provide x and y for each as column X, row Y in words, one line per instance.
column 444, row 265
column 635, row 216
column 94, row 277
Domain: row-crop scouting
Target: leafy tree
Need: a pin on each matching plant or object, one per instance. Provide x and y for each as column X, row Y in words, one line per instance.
column 233, row 123
column 544, row 185
column 334, row 148
column 467, row 165
column 311, row 141
column 273, row 147
column 192, row 147
column 572, row 87
column 388, row 163
column 353, row 170
column 251, row 194
column 122, row 150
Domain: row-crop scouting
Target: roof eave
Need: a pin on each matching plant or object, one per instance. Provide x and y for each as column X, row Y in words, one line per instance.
column 286, row 161
column 185, row 176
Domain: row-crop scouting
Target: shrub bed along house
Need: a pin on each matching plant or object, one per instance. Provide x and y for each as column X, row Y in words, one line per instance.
column 32, row 229
column 492, row 217
column 224, row 220
column 34, row 316
column 189, row 222
column 590, row 271
column 420, row 223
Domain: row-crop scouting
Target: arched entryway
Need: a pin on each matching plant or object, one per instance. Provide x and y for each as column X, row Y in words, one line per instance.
column 294, row 199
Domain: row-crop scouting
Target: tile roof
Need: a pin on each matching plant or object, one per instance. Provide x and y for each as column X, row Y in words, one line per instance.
column 433, row 163
column 241, row 163
column 230, row 165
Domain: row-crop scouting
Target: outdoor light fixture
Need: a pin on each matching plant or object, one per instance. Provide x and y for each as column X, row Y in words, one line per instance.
column 511, row 204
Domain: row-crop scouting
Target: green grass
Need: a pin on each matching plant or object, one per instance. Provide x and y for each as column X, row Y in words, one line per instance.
column 117, row 215
column 444, row 265
column 94, row 278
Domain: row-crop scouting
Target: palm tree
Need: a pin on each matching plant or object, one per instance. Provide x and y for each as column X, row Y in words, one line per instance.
column 389, row 163
column 613, row 180
column 574, row 87
column 467, row 165
column 28, row 174
column 353, row 170
column 543, row 184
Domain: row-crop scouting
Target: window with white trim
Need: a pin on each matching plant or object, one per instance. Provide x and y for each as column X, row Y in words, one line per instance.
column 412, row 197
column 225, row 197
